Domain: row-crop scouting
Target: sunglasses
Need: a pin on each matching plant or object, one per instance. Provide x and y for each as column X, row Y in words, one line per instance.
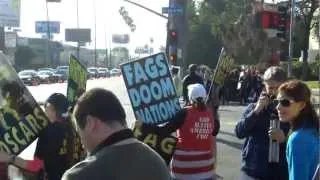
column 282, row 102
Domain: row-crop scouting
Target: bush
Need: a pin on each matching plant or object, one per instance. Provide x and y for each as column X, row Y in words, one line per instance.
column 313, row 69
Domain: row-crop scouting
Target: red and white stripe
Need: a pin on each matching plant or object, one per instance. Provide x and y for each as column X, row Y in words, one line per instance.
column 192, row 165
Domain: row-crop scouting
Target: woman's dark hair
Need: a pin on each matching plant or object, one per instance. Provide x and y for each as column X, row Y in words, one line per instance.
column 14, row 88
column 200, row 104
column 75, row 152
column 59, row 102
column 299, row 92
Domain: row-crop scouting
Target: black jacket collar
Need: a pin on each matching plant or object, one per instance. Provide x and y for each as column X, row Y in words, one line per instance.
column 113, row 139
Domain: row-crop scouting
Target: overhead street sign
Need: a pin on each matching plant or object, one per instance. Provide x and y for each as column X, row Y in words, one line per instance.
column 42, row 27
column 78, row 35
column 172, row 10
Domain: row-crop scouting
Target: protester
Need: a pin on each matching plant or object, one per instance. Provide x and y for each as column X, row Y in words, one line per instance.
column 177, row 80
column 56, row 147
column 253, row 127
column 294, row 106
column 194, row 156
column 15, row 107
column 191, row 78
column 113, row 151
column 12, row 110
column 213, row 101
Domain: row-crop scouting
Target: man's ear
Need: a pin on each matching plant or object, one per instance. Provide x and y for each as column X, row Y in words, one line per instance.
column 92, row 123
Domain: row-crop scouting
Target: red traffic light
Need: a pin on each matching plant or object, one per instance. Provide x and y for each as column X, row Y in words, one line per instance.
column 173, row 33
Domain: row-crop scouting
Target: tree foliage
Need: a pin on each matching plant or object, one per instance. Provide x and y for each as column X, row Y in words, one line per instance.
column 309, row 22
column 119, row 55
column 24, row 56
column 203, row 46
column 234, row 26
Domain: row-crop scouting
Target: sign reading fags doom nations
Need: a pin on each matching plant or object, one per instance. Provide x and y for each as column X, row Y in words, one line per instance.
column 151, row 89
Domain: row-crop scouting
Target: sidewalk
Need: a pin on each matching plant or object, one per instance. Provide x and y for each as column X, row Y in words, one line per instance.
column 315, row 99
column 315, row 96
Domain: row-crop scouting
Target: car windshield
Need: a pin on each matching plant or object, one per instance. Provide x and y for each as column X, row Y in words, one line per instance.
column 45, row 69
column 61, row 72
column 44, row 73
column 26, row 73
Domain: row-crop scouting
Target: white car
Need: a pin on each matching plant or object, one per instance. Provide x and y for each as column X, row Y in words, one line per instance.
column 115, row 72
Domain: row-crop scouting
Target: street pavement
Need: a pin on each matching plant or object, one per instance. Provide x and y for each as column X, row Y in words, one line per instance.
column 229, row 146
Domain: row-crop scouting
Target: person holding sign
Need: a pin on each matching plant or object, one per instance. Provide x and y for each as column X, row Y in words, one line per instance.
column 191, row 78
column 194, row 156
column 56, row 146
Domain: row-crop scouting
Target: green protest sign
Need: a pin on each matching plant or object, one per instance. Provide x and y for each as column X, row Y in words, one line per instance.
column 77, row 79
column 21, row 118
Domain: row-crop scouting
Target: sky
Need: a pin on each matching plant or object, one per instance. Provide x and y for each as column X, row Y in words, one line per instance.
column 108, row 19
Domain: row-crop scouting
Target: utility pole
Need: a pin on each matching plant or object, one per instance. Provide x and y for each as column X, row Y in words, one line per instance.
column 78, row 26
column 2, row 39
column 49, row 62
column 95, row 33
column 293, row 2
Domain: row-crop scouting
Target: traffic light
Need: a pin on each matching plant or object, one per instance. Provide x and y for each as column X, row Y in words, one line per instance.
column 282, row 22
column 173, row 59
column 173, row 54
column 172, row 45
column 172, row 37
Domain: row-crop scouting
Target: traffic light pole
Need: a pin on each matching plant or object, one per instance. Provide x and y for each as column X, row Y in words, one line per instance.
column 180, row 24
column 2, row 39
column 143, row 7
column 291, row 38
column 49, row 62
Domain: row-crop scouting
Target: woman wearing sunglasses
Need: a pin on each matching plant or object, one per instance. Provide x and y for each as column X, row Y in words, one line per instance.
column 294, row 106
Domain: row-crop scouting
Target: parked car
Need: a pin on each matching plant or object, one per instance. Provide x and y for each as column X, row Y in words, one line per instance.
column 44, row 76
column 46, row 69
column 63, row 74
column 103, row 72
column 63, row 68
column 29, row 77
column 93, row 72
column 53, row 78
column 115, row 72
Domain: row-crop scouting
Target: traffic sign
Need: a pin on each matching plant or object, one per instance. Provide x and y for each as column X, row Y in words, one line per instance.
column 172, row 10
column 42, row 26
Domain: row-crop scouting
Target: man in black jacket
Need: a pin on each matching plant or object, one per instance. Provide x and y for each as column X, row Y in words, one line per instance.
column 191, row 78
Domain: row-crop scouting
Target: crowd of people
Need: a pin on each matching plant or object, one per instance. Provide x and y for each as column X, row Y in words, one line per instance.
column 112, row 152
column 243, row 85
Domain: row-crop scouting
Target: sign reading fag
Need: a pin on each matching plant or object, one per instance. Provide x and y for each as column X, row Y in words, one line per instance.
column 162, row 142
column 151, row 89
column 21, row 118
column 77, row 79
